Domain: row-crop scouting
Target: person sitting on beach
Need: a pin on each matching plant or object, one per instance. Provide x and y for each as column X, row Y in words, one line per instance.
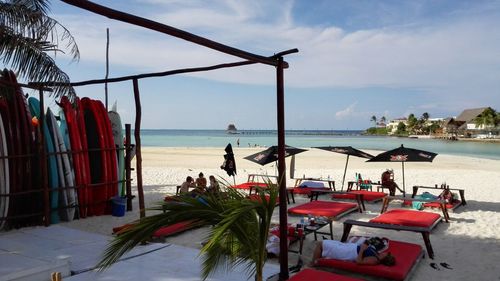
column 446, row 195
column 201, row 181
column 214, row 185
column 363, row 254
column 388, row 182
column 186, row 185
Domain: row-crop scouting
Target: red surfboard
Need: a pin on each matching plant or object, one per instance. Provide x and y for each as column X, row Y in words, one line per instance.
column 77, row 155
column 97, row 157
column 80, row 120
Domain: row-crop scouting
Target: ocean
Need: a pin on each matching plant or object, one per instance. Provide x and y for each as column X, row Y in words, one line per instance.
column 309, row 138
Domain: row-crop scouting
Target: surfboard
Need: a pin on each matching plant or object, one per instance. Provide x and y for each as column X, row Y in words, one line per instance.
column 110, row 152
column 97, row 157
column 4, row 175
column 27, row 204
column 67, row 200
column 82, row 133
column 12, row 164
column 74, row 139
column 16, row 165
column 53, row 176
column 69, row 165
column 117, row 130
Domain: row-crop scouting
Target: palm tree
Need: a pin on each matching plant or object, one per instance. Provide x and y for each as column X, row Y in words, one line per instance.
column 487, row 118
column 28, row 35
column 238, row 236
column 374, row 120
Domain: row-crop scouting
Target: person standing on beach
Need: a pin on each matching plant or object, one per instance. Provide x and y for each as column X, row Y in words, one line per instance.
column 238, row 142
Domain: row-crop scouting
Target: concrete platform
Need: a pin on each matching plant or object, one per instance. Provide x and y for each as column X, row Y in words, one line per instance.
column 32, row 254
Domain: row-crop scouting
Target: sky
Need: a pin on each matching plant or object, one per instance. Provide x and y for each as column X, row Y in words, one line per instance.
column 356, row 59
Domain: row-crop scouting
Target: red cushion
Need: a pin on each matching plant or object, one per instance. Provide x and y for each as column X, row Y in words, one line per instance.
column 407, row 218
column 307, row 190
column 406, row 255
column 437, row 205
column 173, row 229
column 256, row 197
column 247, row 185
column 367, row 195
column 312, row 274
column 322, row 208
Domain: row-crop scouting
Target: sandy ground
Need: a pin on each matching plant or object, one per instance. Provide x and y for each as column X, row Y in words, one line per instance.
column 470, row 243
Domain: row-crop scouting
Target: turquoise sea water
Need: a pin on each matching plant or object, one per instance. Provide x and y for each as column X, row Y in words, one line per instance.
column 307, row 139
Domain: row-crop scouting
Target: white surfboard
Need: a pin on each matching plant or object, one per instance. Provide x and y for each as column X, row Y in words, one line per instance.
column 117, row 130
column 67, row 198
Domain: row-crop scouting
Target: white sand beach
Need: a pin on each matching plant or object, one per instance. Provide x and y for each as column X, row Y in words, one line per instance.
column 470, row 243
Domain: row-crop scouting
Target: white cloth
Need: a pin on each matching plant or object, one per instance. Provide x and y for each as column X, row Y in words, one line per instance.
column 273, row 244
column 333, row 249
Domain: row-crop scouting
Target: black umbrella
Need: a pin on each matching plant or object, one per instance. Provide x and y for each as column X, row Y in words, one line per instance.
column 349, row 150
column 403, row 154
column 229, row 164
column 271, row 154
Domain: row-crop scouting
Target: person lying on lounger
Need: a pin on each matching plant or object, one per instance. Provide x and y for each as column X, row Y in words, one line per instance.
column 362, row 254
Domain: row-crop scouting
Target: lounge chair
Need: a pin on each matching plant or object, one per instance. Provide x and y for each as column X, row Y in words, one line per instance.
column 449, row 206
column 309, row 274
column 306, row 185
column 407, row 257
column 364, row 195
column 161, row 232
column 331, row 210
column 400, row 220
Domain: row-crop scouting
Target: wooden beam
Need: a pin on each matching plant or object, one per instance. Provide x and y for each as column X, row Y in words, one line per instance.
column 141, row 76
column 166, row 29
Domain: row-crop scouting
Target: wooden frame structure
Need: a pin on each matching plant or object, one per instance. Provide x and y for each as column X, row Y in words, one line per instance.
column 275, row 61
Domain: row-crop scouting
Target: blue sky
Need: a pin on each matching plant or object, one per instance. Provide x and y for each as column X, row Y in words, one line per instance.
column 356, row 59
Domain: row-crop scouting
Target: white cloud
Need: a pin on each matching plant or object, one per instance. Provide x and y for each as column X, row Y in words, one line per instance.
column 346, row 113
column 456, row 57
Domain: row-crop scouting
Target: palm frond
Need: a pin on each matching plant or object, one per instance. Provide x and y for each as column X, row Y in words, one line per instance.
column 238, row 236
column 27, row 56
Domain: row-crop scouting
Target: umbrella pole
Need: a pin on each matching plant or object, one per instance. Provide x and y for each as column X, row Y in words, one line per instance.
column 345, row 170
column 404, row 190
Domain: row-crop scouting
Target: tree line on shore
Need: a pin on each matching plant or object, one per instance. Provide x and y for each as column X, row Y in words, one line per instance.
column 489, row 118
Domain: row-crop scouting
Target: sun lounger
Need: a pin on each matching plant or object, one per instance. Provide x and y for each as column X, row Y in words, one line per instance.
column 309, row 274
column 449, row 206
column 401, row 220
column 407, row 257
column 440, row 203
column 163, row 231
column 331, row 210
column 368, row 196
column 248, row 185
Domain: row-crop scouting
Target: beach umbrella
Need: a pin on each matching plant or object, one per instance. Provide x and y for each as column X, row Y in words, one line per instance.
column 229, row 164
column 271, row 154
column 349, row 150
column 404, row 154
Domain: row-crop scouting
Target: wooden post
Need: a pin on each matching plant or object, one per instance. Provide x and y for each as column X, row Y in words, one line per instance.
column 43, row 163
column 280, row 94
column 138, row 156
column 128, row 151
column 107, row 68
